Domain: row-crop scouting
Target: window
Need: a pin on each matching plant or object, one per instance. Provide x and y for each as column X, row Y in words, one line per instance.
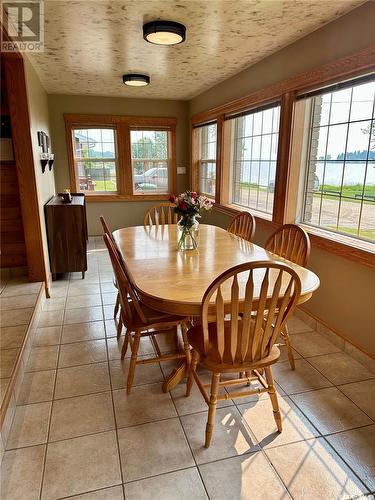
column 150, row 156
column 207, row 159
column 253, row 142
column 340, row 175
column 115, row 158
column 309, row 158
column 95, row 159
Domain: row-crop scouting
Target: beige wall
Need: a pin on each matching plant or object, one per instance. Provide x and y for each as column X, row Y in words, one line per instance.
column 39, row 121
column 118, row 214
column 345, row 299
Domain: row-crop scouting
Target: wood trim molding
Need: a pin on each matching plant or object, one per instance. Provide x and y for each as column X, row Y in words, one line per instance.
column 172, row 165
column 122, row 126
column 195, row 148
column 131, row 121
column 104, row 198
column 24, row 158
column 74, row 186
column 330, row 243
column 231, row 211
column 318, row 319
column 283, row 157
column 285, row 201
column 219, row 155
column 345, row 67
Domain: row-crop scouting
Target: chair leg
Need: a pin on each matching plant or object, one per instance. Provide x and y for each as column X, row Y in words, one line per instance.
column 192, row 368
column 273, row 396
column 117, row 305
column 125, row 344
column 186, row 343
column 212, row 408
column 286, row 338
column 133, row 361
column 119, row 327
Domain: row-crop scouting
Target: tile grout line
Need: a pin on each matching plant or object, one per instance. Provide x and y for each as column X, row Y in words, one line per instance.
column 186, row 438
column 49, row 427
column 262, row 449
column 114, row 416
column 337, row 385
column 51, row 410
column 178, row 416
column 323, row 436
column 247, row 427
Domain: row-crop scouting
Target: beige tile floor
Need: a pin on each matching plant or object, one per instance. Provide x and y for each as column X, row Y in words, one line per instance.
column 17, row 300
column 76, row 434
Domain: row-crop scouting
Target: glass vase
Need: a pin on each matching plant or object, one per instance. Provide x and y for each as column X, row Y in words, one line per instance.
column 187, row 233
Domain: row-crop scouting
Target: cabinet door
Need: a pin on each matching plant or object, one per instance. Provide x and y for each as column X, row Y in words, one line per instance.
column 67, row 238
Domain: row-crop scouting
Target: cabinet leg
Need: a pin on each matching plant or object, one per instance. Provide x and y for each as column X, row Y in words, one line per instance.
column 83, row 275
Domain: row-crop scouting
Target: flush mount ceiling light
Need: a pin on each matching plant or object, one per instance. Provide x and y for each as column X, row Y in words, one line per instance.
column 164, row 32
column 136, row 80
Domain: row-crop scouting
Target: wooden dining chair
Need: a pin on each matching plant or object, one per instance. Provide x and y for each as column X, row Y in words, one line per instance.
column 266, row 293
column 292, row 243
column 108, row 232
column 243, row 225
column 141, row 320
column 161, row 214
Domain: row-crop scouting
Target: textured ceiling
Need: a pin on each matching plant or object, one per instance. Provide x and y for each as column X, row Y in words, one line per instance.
column 90, row 44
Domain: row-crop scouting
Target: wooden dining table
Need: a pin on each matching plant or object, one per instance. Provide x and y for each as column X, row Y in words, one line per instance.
column 174, row 281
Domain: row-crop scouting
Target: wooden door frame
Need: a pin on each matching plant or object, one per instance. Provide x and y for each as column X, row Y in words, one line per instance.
column 24, row 159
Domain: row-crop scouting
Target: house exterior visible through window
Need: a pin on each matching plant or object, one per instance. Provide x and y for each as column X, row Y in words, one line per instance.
column 340, row 175
column 121, row 158
column 150, row 157
column 253, row 156
column 207, row 159
column 95, row 159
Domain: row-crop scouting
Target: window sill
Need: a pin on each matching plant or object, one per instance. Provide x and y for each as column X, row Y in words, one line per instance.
column 358, row 251
column 104, row 198
column 361, row 252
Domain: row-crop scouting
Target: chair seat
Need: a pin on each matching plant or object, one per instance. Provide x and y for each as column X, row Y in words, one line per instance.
column 212, row 361
column 152, row 316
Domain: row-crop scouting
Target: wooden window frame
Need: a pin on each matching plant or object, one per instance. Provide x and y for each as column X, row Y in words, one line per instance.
column 196, row 160
column 122, row 126
column 287, row 174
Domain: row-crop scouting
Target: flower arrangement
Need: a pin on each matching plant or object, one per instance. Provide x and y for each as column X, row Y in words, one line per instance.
column 189, row 206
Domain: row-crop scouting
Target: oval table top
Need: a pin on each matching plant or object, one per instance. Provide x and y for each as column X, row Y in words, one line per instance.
column 174, row 281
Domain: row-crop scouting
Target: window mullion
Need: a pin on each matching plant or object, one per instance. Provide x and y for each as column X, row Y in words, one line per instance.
column 283, row 156
column 124, row 159
column 219, row 157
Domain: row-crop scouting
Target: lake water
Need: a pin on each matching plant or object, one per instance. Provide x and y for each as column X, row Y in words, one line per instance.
column 354, row 173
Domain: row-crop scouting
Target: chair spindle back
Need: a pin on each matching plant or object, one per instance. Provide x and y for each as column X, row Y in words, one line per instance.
column 243, row 225
column 125, row 284
column 161, row 214
column 290, row 242
column 251, row 336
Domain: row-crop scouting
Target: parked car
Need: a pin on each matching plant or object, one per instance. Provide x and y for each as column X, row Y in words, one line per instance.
column 154, row 178
column 271, row 185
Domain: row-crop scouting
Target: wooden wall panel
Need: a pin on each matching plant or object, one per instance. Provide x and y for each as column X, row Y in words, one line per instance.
column 13, row 67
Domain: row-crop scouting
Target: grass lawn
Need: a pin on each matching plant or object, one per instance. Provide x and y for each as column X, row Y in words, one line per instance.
column 363, row 233
column 349, row 191
column 105, row 186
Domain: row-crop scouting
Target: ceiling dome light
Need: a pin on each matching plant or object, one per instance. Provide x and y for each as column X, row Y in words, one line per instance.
column 135, row 80
column 164, row 32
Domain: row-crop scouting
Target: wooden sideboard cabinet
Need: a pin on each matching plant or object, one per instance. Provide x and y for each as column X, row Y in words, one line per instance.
column 67, row 235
